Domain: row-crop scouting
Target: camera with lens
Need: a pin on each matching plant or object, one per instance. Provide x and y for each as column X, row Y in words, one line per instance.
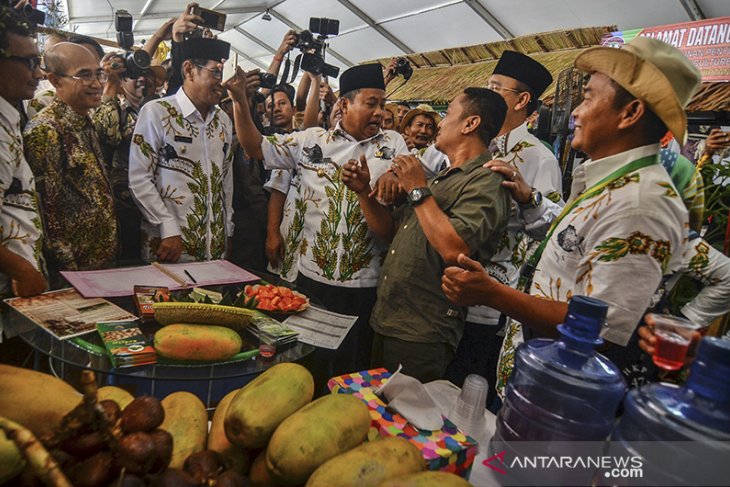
column 313, row 62
column 267, row 80
column 403, row 67
column 136, row 61
column 34, row 15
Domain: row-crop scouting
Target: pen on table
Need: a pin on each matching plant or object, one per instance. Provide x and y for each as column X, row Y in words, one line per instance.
column 191, row 277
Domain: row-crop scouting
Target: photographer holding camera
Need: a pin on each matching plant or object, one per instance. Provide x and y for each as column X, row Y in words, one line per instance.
column 127, row 89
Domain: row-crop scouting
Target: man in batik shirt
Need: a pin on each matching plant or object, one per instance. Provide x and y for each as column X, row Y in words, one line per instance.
column 339, row 257
column 21, row 259
column 625, row 225
column 63, row 151
column 180, row 163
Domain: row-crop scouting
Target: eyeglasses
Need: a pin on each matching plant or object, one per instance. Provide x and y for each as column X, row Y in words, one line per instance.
column 87, row 78
column 217, row 73
column 32, row 62
column 494, row 87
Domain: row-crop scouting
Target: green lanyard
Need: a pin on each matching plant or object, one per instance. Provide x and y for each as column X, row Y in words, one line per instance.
column 528, row 270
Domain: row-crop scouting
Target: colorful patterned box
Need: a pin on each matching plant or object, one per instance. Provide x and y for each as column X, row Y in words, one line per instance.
column 448, row 449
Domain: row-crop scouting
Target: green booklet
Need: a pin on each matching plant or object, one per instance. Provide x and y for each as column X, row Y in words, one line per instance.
column 125, row 343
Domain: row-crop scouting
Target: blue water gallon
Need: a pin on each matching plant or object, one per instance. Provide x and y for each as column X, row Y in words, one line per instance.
column 682, row 433
column 562, row 390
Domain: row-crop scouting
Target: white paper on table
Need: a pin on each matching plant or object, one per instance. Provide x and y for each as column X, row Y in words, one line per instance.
column 320, row 327
column 121, row 281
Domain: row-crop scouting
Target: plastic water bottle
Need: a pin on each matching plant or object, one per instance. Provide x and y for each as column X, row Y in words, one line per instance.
column 682, row 432
column 561, row 399
column 563, row 390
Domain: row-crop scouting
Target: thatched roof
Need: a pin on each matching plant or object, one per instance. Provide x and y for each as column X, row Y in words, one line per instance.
column 441, row 75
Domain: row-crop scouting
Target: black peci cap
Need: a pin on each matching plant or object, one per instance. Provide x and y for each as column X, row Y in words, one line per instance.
column 204, row 48
column 362, row 76
column 525, row 69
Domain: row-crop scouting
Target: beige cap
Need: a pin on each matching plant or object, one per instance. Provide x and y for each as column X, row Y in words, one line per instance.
column 422, row 109
column 654, row 72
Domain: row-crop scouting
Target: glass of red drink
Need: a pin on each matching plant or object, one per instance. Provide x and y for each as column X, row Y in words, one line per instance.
column 673, row 337
column 267, row 345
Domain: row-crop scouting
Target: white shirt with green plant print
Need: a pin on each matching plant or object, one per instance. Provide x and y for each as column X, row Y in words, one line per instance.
column 614, row 246
column 21, row 228
column 328, row 233
column 180, row 176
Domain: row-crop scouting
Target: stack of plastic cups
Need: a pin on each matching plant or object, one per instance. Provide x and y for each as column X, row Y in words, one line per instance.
column 468, row 412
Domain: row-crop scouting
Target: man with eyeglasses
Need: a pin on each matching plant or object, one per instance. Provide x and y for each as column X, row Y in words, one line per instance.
column 62, row 148
column 180, row 163
column 21, row 260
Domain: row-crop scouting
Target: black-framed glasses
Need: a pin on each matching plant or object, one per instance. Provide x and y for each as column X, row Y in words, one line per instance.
column 88, row 78
column 32, row 62
column 217, row 73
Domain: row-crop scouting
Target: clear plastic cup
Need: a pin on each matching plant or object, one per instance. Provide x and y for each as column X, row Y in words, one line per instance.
column 673, row 337
column 468, row 412
column 267, row 345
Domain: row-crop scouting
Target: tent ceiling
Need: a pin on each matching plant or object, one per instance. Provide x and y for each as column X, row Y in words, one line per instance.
column 374, row 29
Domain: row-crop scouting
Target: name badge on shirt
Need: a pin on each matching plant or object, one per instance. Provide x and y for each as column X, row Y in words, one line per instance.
column 180, row 138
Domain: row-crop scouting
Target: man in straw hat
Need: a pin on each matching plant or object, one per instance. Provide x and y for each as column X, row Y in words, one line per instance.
column 338, row 257
column 625, row 223
column 180, row 162
column 419, row 127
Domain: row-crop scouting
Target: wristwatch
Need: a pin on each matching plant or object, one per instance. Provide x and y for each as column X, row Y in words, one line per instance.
column 534, row 201
column 417, row 195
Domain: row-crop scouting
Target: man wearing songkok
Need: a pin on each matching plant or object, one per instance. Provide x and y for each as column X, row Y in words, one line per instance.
column 625, row 224
column 339, row 257
column 180, row 163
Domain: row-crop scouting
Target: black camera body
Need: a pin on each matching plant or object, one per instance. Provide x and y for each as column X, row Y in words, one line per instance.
column 267, row 80
column 403, row 67
column 313, row 62
column 34, row 15
column 136, row 61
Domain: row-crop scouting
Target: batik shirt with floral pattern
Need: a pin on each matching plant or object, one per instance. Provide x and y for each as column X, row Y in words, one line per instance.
column 539, row 168
column 21, row 229
column 180, row 174
column 63, row 151
column 614, row 246
column 328, row 229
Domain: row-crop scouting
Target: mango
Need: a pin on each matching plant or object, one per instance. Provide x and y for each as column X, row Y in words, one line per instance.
column 202, row 343
column 259, row 475
column 187, row 421
column 427, row 479
column 369, row 464
column 262, row 404
column 116, row 394
column 35, row 400
column 234, row 456
column 321, row 430
column 11, row 460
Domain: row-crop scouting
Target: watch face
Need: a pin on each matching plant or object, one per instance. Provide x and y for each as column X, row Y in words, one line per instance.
column 416, row 194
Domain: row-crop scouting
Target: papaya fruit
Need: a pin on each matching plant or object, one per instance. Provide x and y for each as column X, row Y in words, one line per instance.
column 369, row 464
column 427, row 479
column 202, row 343
column 262, row 404
column 11, row 460
column 233, row 456
column 259, row 475
column 321, row 430
column 116, row 394
column 187, row 421
column 37, row 401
